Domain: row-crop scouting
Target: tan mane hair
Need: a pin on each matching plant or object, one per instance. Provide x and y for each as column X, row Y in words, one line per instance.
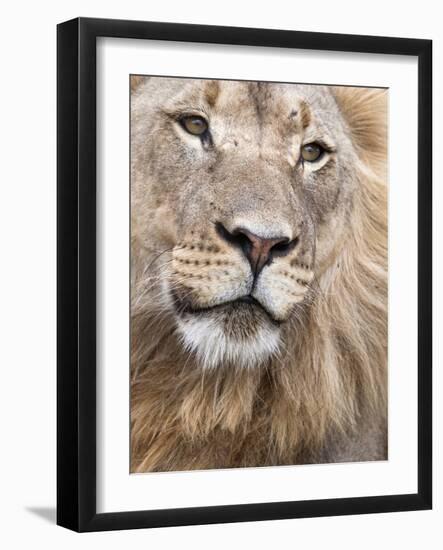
column 329, row 379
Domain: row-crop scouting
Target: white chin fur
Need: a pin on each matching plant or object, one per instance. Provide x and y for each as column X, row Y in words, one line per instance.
column 213, row 348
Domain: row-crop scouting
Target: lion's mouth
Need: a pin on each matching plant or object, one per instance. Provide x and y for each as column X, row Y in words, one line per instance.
column 247, row 302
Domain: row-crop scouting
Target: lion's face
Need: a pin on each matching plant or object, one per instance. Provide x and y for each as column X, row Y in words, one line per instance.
column 240, row 196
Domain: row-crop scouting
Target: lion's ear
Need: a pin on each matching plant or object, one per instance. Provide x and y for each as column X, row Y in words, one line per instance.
column 365, row 111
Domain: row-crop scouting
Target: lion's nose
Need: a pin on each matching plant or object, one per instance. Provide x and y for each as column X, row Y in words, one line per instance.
column 259, row 251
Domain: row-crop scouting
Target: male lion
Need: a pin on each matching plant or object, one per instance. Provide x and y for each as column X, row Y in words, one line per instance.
column 259, row 274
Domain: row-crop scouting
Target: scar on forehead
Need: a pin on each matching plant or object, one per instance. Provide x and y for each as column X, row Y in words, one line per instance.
column 303, row 113
column 211, row 92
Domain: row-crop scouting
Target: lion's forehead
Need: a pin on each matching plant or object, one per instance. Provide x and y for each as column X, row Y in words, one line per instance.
column 257, row 104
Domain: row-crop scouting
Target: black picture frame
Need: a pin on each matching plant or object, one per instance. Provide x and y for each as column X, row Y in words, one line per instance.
column 76, row 266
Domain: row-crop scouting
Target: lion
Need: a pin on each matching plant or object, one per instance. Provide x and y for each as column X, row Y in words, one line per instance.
column 258, row 274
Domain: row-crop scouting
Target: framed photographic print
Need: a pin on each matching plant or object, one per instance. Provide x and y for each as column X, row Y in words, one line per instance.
column 244, row 274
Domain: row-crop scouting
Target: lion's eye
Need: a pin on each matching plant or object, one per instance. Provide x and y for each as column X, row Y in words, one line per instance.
column 195, row 125
column 312, row 152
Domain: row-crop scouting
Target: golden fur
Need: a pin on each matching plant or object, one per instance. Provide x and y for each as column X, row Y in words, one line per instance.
column 322, row 397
